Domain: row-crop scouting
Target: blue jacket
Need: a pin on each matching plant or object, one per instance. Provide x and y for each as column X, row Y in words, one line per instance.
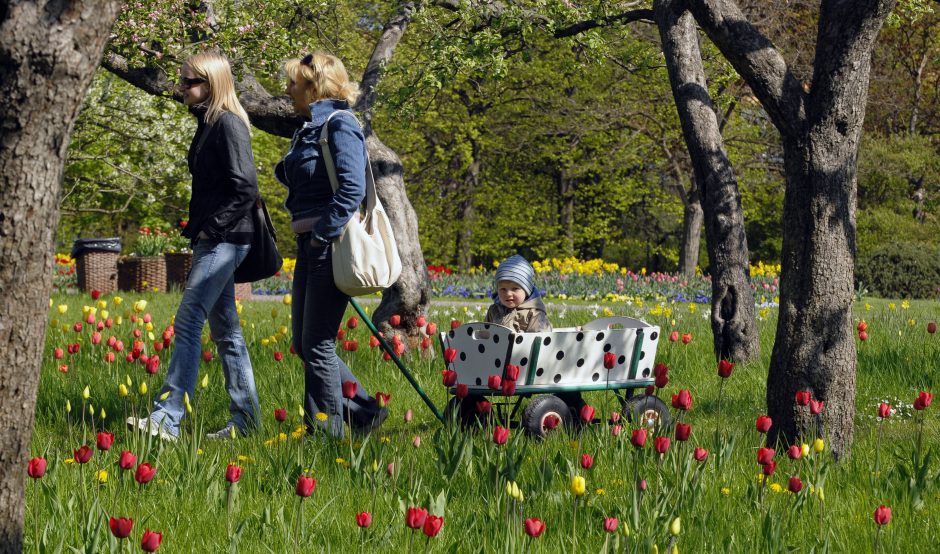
column 303, row 170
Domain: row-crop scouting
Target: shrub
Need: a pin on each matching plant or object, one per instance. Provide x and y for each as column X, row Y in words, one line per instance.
column 901, row 270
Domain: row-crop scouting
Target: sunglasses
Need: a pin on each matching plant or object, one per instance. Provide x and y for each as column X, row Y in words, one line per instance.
column 186, row 82
column 307, row 60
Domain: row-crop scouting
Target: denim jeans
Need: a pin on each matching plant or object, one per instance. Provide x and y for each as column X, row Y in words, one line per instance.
column 210, row 294
column 317, row 312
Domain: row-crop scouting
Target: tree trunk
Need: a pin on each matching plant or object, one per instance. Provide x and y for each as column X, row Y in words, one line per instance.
column 48, row 55
column 734, row 327
column 466, row 208
column 692, row 218
column 564, row 187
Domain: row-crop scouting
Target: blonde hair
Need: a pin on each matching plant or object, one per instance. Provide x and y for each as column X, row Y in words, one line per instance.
column 322, row 76
column 215, row 69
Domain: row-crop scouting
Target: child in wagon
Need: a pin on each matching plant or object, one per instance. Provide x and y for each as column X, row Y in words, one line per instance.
column 518, row 303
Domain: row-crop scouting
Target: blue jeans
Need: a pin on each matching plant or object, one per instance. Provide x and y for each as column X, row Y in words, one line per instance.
column 317, row 312
column 210, row 294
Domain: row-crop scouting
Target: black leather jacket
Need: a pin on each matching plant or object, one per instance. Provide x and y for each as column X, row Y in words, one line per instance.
column 225, row 184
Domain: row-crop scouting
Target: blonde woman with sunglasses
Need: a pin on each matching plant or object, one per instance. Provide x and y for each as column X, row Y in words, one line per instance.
column 224, row 188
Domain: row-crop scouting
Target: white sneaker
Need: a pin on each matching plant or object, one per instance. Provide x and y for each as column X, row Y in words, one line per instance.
column 226, row 433
column 148, row 425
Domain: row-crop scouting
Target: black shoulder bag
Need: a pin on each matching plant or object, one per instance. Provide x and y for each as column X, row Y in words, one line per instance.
column 264, row 259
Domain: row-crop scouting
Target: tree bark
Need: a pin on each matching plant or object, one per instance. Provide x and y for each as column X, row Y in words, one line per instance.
column 734, row 327
column 814, row 347
column 48, row 55
column 692, row 220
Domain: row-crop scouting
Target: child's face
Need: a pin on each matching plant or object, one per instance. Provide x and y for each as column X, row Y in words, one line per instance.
column 511, row 294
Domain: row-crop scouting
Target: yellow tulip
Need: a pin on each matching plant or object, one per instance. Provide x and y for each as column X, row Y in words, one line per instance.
column 804, row 449
column 287, row 299
column 127, row 379
column 103, row 414
column 54, row 323
column 578, row 485
column 86, row 393
column 102, row 304
column 91, row 410
column 102, row 476
column 119, row 320
column 65, row 328
column 818, row 446
column 68, row 407
column 140, row 306
column 50, row 302
column 205, row 381
column 375, row 466
column 164, row 396
column 265, row 341
column 122, row 389
column 117, row 300
column 142, row 388
column 63, row 308
column 282, row 330
column 104, row 314
column 675, row 527
column 273, row 313
column 148, row 326
column 231, row 431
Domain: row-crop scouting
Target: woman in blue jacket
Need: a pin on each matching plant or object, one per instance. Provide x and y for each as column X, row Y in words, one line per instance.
column 224, row 189
column 319, row 86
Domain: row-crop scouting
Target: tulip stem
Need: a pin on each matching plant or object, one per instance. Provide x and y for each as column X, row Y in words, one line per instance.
column 574, row 520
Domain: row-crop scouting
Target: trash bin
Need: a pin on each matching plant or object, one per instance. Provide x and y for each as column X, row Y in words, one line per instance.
column 96, row 263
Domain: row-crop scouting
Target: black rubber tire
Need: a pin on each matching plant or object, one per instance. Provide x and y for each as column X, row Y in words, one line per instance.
column 466, row 408
column 649, row 409
column 538, row 408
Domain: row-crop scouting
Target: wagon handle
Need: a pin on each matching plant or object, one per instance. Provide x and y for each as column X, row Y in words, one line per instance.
column 401, row 366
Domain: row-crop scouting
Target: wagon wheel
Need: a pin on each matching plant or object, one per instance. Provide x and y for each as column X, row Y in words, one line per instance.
column 648, row 411
column 466, row 411
column 543, row 414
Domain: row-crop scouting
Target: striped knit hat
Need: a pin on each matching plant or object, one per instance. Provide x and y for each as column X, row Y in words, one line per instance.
column 516, row 269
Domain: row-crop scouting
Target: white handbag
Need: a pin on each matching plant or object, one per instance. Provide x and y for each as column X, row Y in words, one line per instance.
column 365, row 255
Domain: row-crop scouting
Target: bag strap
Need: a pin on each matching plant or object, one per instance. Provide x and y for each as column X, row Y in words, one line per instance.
column 371, row 197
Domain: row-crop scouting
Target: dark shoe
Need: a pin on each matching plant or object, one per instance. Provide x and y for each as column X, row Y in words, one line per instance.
column 376, row 422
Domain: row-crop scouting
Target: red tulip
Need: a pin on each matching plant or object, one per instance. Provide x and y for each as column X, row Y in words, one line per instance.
column 105, row 440
column 649, row 390
column 803, row 397
column 882, row 515
column 352, row 322
column 382, row 399
column 431, row 329
column 36, row 467
column 550, row 422
column 764, row 423
column 416, row 517
column 660, row 369
column 394, row 320
column 816, row 406
column 765, row 455
column 682, row 401
column 923, row 401
column 725, row 368
column 863, row 336
column 83, row 454
column 449, row 377
column 278, row 356
column 932, row 327
column 207, row 356
column 373, row 341
column 305, row 486
column 408, row 416
column 610, row 360
column 233, row 473
column 494, row 382
column 454, row 323
column 351, row 345
column 58, row 353
column 587, row 413
column 683, row 430
column 484, row 406
column 121, row 527
column 884, row 410
column 450, row 354
column 534, row 527
column 462, row 390
column 587, row 462
column 340, row 334
column 769, row 468
column 796, row 485
column 425, row 343
column 280, row 415
column 794, row 452
column 349, row 389
column 127, row 460
column 364, row 520
column 700, row 454
column 616, row 430
column 862, row 326
column 95, row 294
column 500, row 435
column 96, row 338
column 144, row 473
column 151, row 540
column 511, row 372
column 421, row 321
column 432, row 526
column 109, row 357
column 661, row 444
column 77, row 327
column 661, row 381
column 686, row 338
column 638, row 439
column 674, row 336
column 614, row 417
column 610, row 524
